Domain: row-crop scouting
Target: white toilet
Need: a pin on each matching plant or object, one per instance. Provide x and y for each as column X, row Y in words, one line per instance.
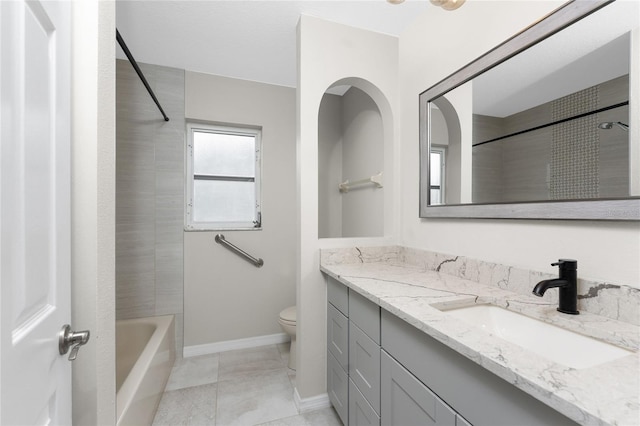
column 287, row 321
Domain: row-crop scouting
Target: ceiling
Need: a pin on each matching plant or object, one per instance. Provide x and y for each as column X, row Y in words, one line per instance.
column 594, row 50
column 251, row 40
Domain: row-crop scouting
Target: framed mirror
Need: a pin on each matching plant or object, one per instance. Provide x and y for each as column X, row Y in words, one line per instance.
column 541, row 127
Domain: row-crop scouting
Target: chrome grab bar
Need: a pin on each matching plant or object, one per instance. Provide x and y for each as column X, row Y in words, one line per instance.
column 256, row 262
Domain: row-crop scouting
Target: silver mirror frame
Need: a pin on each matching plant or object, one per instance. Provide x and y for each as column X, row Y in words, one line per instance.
column 627, row 209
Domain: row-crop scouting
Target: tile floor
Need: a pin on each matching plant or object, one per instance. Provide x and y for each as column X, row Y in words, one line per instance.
column 246, row 387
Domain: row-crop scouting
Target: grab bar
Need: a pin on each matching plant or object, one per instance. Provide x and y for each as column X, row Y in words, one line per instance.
column 375, row 179
column 256, row 262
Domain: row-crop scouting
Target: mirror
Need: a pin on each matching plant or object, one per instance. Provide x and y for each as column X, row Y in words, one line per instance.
column 540, row 126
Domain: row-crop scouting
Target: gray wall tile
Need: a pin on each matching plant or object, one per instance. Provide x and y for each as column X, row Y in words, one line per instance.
column 149, row 194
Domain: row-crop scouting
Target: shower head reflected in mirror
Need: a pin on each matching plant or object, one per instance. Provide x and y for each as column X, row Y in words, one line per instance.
column 609, row 125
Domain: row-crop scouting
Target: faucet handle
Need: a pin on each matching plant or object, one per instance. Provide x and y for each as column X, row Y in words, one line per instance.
column 567, row 264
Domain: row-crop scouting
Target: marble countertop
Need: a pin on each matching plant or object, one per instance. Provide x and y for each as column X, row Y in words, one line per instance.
column 607, row 394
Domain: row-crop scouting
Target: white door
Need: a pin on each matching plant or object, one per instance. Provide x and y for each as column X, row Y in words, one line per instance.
column 35, row 385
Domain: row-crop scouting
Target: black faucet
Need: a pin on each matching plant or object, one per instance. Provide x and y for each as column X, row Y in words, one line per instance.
column 567, row 286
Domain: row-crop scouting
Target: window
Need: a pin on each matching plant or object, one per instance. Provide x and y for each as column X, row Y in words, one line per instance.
column 223, row 177
column 436, row 178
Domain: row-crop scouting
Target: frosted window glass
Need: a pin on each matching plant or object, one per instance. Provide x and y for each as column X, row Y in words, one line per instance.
column 223, row 154
column 435, row 169
column 223, row 201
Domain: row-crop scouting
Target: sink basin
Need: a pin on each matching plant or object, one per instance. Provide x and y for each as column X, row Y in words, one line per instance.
column 549, row 341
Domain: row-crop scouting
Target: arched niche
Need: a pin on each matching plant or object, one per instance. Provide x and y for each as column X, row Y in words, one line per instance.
column 354, row 136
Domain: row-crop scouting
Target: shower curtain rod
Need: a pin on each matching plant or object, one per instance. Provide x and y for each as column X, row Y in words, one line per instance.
column 126, row 51
column 564, row 120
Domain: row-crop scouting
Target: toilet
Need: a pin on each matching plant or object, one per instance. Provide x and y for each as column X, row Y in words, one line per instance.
column 287, row 321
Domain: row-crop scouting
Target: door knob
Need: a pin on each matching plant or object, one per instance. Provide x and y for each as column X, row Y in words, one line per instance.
column 68, row 338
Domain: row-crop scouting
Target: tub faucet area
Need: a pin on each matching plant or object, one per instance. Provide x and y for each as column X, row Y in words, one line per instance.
column 567, row 286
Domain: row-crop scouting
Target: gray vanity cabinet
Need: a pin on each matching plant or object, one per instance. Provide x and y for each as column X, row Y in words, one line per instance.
column 338, row 335
column 353, row 355
column 406, row 401
column 364, row 348
column 338, row 387
column 382, row 370
column 364, row 365
column 475, row 393
column 338, row 348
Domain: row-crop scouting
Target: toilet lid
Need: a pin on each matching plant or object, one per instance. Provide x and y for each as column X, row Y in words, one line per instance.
column 289, row 314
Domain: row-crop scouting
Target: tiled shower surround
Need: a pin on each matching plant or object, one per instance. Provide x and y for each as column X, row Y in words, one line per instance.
column 149, row 194
column 601, row 298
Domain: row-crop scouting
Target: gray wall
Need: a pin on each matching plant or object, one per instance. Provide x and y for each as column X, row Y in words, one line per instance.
column 149, row 193
column 330, row 170
column 362, row 157
column 226, row 298
column 350, row 146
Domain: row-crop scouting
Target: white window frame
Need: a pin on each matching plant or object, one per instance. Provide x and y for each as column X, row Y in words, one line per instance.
column 190, row 223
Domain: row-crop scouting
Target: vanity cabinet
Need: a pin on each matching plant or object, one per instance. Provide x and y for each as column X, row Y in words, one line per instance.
column 338, row 335
column 364, row 348
column 353, row 355
column 338, row 387
column 383, row 371
column 338, row 348
column 476, row 394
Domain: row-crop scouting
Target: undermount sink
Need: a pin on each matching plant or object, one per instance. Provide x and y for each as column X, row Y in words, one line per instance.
column 549, row 341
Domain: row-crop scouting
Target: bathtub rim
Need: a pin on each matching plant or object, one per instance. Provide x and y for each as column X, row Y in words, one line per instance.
column 133, row 381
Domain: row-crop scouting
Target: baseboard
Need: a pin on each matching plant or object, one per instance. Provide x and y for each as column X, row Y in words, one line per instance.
column 310, row 404
column 229, row 345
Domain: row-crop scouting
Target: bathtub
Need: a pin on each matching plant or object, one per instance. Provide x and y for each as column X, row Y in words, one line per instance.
column 145, row 353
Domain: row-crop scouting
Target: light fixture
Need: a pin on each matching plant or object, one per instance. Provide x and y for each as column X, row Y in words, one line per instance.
column 448, row 4
column 395, row 1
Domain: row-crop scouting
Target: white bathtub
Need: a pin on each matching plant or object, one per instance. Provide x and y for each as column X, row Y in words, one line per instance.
column 145, row 353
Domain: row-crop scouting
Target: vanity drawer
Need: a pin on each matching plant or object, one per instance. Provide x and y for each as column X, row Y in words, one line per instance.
column 365, row 314
column 364, row 365
column 338, row 295
column 338, row 388
column 338, row 336
column 360, row 412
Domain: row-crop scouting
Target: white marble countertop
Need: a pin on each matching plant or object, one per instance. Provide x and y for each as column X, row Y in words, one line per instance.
column 607, row 394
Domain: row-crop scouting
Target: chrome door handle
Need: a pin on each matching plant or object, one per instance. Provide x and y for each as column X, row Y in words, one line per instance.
column 68, row 338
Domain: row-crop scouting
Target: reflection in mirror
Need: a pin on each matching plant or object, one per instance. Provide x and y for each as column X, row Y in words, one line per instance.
column 545, row 125
column 562, row 153
column 436, row 179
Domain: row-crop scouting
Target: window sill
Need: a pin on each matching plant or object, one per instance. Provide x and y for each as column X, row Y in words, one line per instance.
column 220, row 229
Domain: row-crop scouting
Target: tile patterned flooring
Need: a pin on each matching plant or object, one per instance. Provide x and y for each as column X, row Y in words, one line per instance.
column 245, row 387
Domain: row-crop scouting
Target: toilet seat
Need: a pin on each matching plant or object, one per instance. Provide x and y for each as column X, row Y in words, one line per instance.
column 288, row 315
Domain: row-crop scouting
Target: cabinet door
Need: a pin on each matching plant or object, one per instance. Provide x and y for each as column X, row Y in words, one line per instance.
column 360, row 412
column 338, row 388
column 364, row 365
column 406, row 401
column 338, row 335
